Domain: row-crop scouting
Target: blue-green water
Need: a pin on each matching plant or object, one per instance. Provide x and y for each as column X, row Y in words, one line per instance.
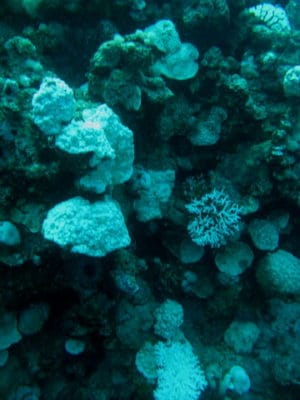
column 149, row 200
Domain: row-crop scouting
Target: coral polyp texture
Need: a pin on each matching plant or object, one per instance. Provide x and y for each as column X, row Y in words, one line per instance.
column 149, row 199
column 93, row 229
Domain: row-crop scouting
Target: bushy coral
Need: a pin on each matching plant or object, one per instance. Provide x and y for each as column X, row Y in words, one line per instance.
column 179, row 375
column 215, row 218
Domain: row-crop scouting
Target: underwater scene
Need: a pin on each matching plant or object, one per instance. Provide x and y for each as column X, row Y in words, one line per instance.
column 149, row 200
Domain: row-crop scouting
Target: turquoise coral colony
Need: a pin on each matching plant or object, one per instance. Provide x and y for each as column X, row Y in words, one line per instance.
column 149, row 200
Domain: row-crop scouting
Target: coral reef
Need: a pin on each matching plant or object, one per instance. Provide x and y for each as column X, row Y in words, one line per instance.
column 149, row 199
